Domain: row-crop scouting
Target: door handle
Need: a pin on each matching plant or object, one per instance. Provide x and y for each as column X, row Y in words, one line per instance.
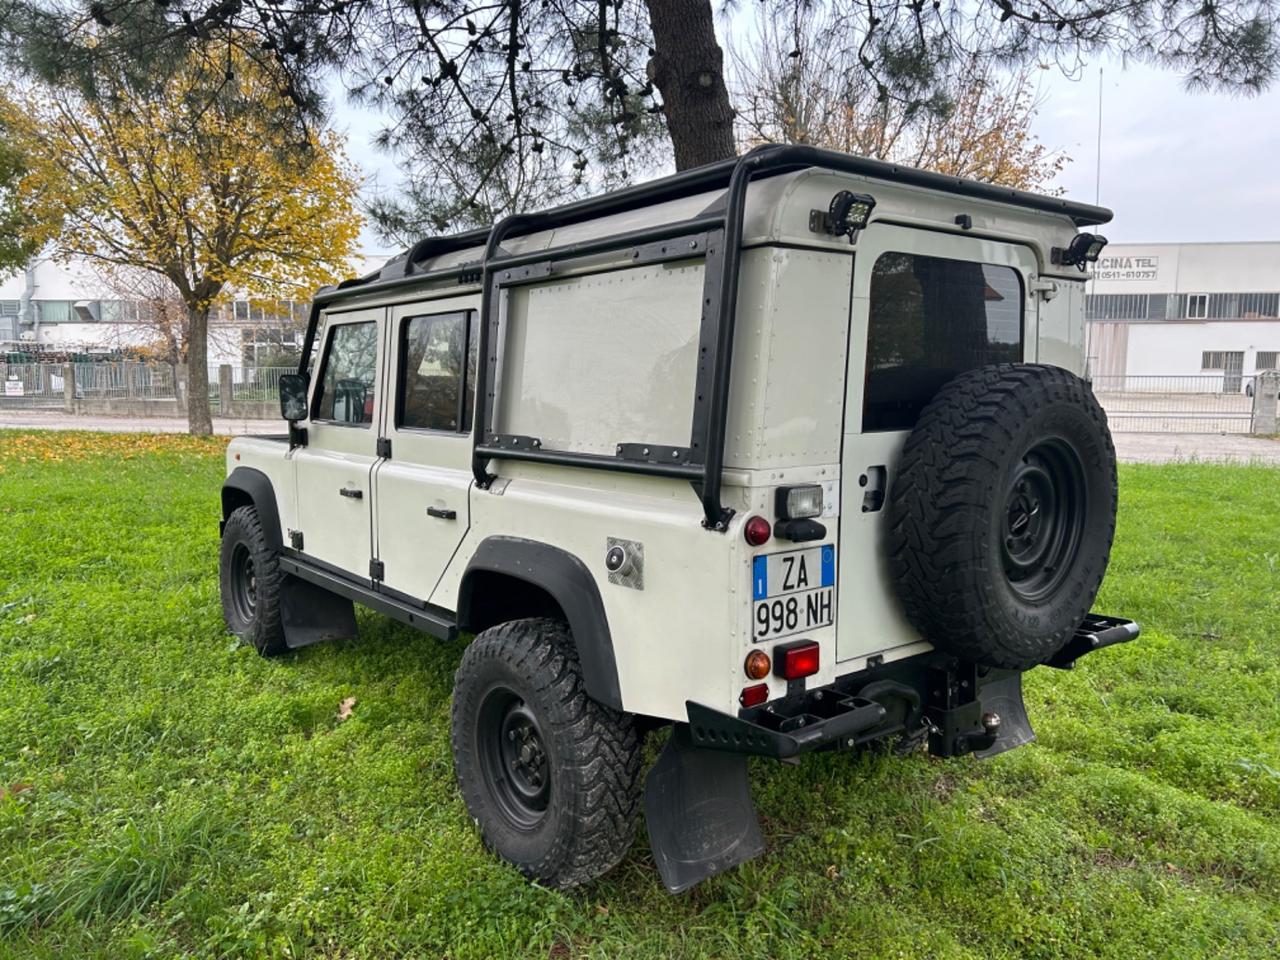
column 442, row 513
column 351, row 492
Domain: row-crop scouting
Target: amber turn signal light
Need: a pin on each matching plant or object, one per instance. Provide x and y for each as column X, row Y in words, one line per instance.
column 757, row 665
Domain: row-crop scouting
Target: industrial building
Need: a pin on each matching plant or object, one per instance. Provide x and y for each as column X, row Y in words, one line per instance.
column 1208, row 311
column 74, row 308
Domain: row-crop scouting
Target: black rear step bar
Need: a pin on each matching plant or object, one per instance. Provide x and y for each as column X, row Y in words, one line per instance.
column 702, row 462
column 840, row 715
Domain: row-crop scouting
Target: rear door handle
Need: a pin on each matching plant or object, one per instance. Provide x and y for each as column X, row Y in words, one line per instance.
column 351, row 492
column 442, row 512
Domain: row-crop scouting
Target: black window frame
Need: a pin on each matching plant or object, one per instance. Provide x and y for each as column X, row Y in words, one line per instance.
column 470, row 337
column 317, row 394
column 870, row 423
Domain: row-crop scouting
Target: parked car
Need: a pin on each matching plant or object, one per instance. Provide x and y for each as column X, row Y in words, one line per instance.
column 789, row 453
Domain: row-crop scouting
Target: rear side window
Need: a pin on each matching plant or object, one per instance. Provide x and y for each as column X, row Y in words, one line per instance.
column 349, row 378
column 435, row 389
column 929, row 319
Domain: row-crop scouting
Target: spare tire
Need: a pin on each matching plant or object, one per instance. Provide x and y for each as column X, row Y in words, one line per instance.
column 1002, row 513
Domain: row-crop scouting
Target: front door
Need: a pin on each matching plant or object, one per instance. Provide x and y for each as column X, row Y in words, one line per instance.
column 932, row 305
column 421, row 490
column 333, row 470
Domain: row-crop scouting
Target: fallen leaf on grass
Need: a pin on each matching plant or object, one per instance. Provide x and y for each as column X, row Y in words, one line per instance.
column 345, row 708
column 13, row 789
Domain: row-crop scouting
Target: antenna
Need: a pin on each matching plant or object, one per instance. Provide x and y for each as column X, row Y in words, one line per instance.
column 1097, row 167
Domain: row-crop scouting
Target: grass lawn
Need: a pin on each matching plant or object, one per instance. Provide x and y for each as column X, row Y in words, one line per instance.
column 166, row 793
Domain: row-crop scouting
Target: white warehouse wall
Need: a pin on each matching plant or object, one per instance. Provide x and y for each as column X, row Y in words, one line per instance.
column 1174, row 348
column 1187, row 268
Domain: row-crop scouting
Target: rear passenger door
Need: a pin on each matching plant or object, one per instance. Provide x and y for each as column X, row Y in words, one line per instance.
column 333, row 469
column 926, row 306
column 421, row 489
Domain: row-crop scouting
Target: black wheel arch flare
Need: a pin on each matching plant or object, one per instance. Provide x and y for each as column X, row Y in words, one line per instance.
column 247, row 486
column 512, row 577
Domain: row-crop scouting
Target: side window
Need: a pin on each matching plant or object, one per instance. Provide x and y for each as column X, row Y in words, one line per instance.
column 435, row 389
column 929, row 319
column 348, row 379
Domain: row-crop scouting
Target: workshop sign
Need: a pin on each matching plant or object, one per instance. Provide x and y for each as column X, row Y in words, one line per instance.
column 1123, row 267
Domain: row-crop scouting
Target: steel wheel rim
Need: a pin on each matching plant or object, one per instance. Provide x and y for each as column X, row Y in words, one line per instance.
column 1042, row 522
column 244, row 583
column 514, row 757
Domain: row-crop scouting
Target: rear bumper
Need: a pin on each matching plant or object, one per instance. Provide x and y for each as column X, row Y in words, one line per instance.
column 964, row 708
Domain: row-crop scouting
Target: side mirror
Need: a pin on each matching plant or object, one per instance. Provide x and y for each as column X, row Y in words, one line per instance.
column 293, row 397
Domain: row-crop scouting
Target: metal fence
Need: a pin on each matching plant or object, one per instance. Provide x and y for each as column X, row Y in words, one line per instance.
column 36, row 385
column 254, row 384
column 32, row 385
column 1205, row 403
column 124, row 381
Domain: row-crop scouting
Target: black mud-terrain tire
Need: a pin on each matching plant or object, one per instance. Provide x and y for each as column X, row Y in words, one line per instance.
column 561, row 802
column 249, row 576
column 1002, row 513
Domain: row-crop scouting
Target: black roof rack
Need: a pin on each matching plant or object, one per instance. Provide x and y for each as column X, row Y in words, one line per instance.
column 724, row 220
column 715, row 176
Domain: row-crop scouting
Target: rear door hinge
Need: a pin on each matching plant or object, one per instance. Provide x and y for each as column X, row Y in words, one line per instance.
column 295, row 539
column 1047, row 289
column 376, row 570
column 384, row 447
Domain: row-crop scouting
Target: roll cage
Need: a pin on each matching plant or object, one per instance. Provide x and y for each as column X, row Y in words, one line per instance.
column 715, row 233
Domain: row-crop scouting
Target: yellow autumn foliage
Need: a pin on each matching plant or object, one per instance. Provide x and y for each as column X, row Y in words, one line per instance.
column 206, row 180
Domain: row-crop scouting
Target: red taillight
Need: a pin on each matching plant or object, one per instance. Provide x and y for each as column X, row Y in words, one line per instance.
column 755, row 695
column 757, row 531
column 795, row 660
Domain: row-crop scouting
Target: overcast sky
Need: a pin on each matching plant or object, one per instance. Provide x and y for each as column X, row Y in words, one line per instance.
column 1175, row 165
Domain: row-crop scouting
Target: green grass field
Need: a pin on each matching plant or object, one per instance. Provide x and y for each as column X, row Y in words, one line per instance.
column 166, row 793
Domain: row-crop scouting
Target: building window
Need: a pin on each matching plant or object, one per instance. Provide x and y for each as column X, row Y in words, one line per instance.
column 54, row 311
column 269, row 347
column 1197, row 306
column 1266, row 360
column 1116, row 306
column 929, row 319
column 9, row 308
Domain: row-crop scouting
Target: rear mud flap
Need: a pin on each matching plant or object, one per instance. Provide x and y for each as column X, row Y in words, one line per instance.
column 311, row 614
column 1001, row 694
column 699, row 812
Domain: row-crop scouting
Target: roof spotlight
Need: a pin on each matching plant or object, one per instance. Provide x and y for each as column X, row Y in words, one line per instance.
column 847, row 214
column 1085, row 248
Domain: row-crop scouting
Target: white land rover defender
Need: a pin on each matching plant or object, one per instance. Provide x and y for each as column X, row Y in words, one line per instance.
column 791, row 452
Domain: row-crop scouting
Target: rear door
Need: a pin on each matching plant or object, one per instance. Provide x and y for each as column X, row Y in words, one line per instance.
column 333, row 469
column 926, row 306
column 421, row 489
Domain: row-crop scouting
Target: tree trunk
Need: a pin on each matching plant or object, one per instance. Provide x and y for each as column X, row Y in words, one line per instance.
column 688, row 69
column 199, row 420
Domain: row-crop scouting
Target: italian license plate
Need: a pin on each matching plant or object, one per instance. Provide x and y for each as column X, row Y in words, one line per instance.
column 793, row 592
